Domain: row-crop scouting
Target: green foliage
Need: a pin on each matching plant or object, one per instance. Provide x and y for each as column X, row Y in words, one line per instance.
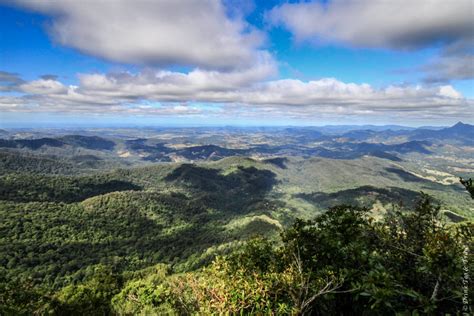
column 42, row 188
column 92, row 297
column 336, row 243
column 468, row 185
column 23, row 298
column 235, row 190
column 363, row 196
column 49, row 241
column 15, row 162
column 342, row 263
column 147, row 295
column 218, row 289
column 143, row 241
column 422, row 257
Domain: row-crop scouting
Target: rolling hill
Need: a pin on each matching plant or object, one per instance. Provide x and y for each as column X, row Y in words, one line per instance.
column 69, row 214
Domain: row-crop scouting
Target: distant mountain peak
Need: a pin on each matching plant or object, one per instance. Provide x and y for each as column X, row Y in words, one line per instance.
column 461, row 126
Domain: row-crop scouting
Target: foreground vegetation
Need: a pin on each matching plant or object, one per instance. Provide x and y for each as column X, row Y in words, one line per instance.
column 174, row 239
column 342, row 262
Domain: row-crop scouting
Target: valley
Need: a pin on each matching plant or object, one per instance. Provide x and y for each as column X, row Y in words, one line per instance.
column 70, row 202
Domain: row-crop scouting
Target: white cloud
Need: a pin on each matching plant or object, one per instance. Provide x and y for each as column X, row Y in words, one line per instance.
column 195, row 33
column 43, row 86
column 233, row 94
column 175, row 84
column 390, row 24
column 231, row 73
column 449, row 92
column 399, row 24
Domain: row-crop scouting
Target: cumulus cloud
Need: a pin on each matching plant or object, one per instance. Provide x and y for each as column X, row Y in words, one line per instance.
column 398, row 24
column 390, row 24
column 170, row 86
column 43, row 86
column 233, row 76
column 197, row 33
column 232, row 95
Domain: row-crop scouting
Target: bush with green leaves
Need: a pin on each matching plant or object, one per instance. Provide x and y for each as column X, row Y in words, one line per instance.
column 342, row 262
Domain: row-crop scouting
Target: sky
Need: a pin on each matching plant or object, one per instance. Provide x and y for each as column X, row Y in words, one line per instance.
column 210, row 62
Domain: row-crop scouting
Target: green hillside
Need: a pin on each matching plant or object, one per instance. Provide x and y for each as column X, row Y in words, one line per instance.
column 59, row 231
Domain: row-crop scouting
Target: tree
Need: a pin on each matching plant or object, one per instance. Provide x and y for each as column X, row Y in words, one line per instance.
column 422, row 257
column 468, row 185
column 91, row 297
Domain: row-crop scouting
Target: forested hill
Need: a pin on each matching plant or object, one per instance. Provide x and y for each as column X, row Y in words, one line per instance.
column 126, row 241
column 96, row 245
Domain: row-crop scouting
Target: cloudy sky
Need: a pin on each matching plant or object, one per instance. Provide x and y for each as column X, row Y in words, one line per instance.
column 236, row 62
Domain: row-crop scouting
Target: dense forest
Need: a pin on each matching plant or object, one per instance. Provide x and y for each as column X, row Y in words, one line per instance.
column 342, row 262
column 196, row 239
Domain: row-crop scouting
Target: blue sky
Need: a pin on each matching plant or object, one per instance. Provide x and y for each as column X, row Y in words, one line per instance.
column 254, row 63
